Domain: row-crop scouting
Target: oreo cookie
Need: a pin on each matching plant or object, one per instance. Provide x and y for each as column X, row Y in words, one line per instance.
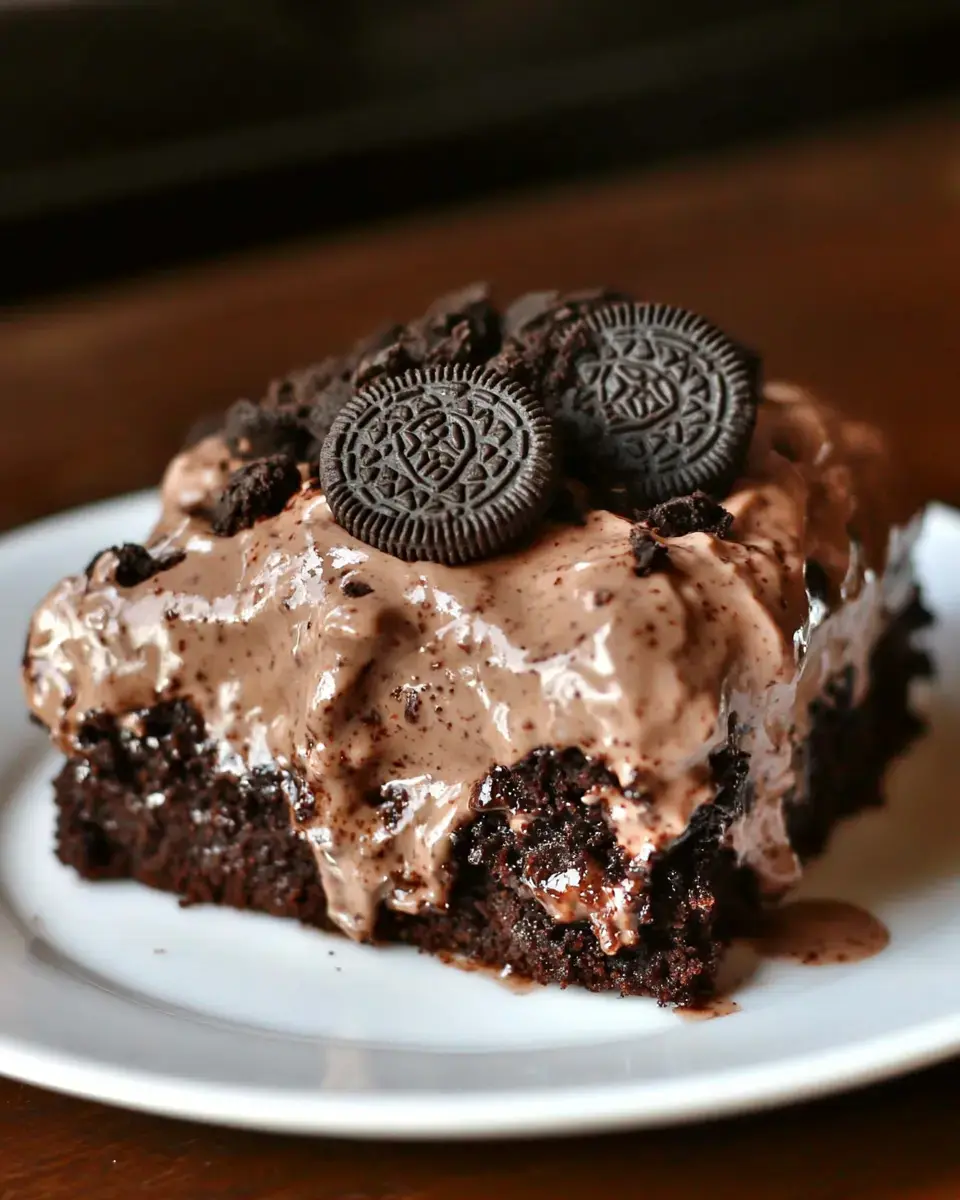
column 444, row 464
column 656, row 402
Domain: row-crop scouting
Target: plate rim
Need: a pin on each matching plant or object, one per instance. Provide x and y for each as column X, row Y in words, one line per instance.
column 538, row 1112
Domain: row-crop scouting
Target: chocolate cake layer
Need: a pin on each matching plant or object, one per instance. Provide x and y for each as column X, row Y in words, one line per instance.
column 154, row 807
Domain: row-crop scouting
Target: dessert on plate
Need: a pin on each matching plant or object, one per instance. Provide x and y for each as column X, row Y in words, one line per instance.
column 551, row 639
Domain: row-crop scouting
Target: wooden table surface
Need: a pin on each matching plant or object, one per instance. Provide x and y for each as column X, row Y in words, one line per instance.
column 838, row 257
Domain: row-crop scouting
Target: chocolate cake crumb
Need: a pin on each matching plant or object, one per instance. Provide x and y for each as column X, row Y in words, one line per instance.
column 461, row 328
column 295, row 414
column 696, row 513
column 258, row 489
column 135, row 563
column 545, row 332
column 649, row 555
column 253, row 430
column 354, row 588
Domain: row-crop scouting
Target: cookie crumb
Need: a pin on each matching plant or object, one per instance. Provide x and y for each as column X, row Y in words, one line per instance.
column 135, row 563
column 354, row 588
column 259, row 489
column 649, row 555
column 696, row 513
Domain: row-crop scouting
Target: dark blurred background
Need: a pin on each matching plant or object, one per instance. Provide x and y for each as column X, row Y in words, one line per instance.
column 140, row 135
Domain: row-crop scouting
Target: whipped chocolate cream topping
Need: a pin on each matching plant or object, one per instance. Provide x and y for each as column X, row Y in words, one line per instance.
column 392, row 688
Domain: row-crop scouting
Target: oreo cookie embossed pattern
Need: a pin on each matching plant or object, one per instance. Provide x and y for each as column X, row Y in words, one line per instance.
column 440, row 464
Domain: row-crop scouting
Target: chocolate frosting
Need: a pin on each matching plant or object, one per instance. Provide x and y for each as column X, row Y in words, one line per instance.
column 392, row 688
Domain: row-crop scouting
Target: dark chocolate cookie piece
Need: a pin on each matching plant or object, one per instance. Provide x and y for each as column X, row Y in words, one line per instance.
column 543, row 331
column 462, row 328
column 253, row 430
column 135, row 563
column 257, row 489
column 697, row 513
column 294, row 416
column 443, row 464
column 649, row 555
column 657, row 402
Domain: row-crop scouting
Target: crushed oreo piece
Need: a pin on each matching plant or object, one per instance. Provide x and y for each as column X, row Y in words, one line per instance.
column 657, row 401
column 135, row 563
column 294, row 416
column 543, row 332
column 462, row 328
column 258, row 489
column 528, row 309
column 649, row 555
column 298, row 390
column 442, row 464
column 254, row 430
column 697, row 513
column 353, row 587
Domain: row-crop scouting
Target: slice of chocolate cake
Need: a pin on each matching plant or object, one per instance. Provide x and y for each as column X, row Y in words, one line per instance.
column 552, row 641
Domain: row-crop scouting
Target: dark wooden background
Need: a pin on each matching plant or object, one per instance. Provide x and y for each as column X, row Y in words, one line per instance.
column 144, row 134
column 839, row 257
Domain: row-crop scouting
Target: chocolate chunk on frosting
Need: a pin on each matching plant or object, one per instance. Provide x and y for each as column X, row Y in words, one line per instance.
column 649, row 554
column 462, row 328
column 696, row 513
column 135, row 564
column 257, row 489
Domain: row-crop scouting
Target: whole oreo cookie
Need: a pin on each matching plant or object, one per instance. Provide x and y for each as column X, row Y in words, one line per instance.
column 656, row 403
column 445, row 464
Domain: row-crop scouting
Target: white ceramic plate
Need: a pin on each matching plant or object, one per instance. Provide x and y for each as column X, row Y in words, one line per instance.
column 114, row 992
